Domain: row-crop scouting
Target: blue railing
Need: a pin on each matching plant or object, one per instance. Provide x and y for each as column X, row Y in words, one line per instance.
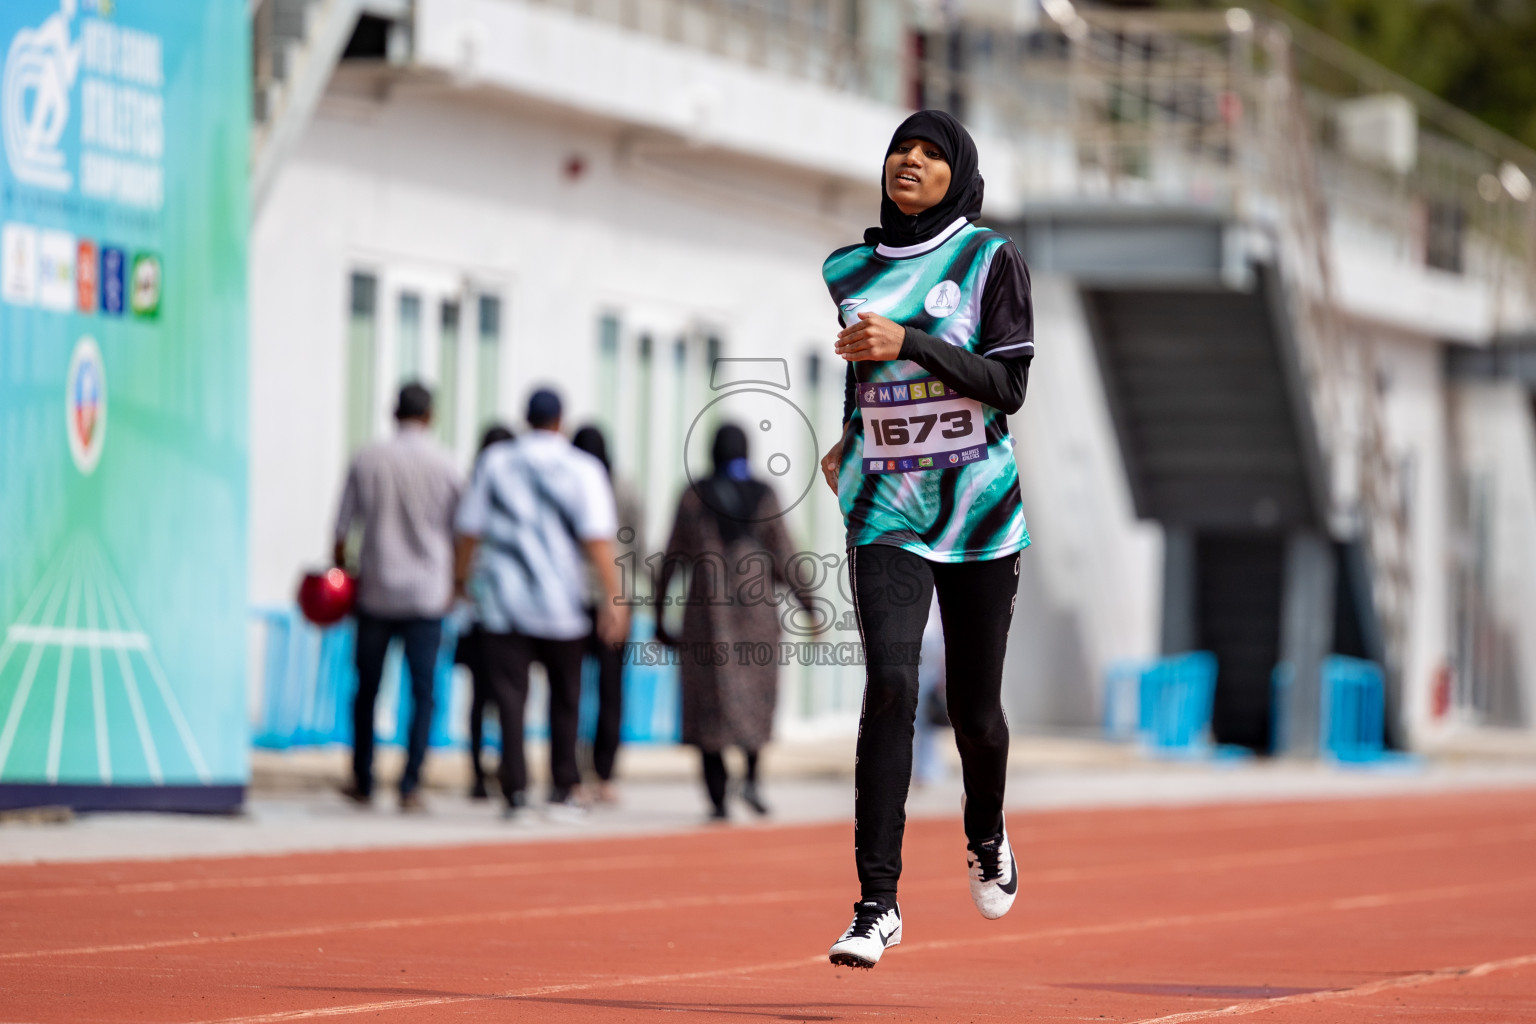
column 309, row 678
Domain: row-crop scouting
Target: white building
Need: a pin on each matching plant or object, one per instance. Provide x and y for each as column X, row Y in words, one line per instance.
column 493, row 195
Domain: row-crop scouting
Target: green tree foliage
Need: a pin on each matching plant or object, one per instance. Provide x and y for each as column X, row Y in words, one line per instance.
column 1477, row 54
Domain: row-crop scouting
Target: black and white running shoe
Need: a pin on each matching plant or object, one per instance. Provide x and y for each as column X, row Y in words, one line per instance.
column 875, row 928
column 994, row 875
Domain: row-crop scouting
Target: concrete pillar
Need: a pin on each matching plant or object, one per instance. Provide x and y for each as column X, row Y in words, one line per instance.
column 1306, row 637
column 1180, row 605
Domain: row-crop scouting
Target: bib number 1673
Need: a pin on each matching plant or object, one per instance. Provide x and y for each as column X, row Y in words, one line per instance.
column 895, row 431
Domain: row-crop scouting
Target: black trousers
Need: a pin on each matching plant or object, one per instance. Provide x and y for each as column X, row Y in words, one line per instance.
column 471, row 655
column 610, row 702
column 892, row 590
column 422, row 637
column 508, row 656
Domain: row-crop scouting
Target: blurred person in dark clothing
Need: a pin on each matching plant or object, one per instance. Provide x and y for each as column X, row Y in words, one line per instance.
column 609, row 657
column 404, row 490
column 469, row 652
column 726, row 526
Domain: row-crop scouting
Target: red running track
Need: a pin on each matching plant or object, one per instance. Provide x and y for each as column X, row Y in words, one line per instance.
column 1417, row 909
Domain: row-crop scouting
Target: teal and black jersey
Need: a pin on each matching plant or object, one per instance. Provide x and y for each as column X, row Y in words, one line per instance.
column 926, row 467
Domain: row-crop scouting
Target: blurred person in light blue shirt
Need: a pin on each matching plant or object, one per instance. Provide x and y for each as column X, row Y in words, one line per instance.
column 540, row 511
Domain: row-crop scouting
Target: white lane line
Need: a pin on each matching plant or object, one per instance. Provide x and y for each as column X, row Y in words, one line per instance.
column 1294, row 854
column 156, row 673
column 29, row 674
column 135, row 701
column 61, row 686
column 442, row 920
column 526, row 993
column 98, row 692
column 1243, row 1009
column 438, row 874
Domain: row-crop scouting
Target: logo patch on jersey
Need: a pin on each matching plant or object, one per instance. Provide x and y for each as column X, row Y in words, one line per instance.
column 849, row 305
column 919, row 391
column 953, row 459
column 885, row 394
column 942, row 299
column 869, row 394
column 935, row 390
column 925, row 463
column 899, row 393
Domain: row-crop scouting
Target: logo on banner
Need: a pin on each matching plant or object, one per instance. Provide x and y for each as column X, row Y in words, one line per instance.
column 144, row 299
column 87, row 276
column 85, row 403
column 40, row 71
column 56, row 256
column 942, row 299
column 18, row 264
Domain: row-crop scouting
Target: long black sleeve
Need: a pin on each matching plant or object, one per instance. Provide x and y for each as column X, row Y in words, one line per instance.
column 998, row 382
column 999, row 374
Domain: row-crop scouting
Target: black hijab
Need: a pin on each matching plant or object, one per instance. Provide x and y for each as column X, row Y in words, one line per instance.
column 729, row 492
column 965, row 185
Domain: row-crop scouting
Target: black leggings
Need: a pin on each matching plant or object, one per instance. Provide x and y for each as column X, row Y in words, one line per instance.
column 892, row 590
column 715, row 776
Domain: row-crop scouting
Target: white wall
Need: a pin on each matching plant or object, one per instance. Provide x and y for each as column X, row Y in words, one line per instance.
column 1417, row 429
column 1496, row 438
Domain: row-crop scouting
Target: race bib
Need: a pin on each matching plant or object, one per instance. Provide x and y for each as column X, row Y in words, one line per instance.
column 919, row 425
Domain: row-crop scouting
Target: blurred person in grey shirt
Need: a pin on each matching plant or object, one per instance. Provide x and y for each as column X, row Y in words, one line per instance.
column 404, row 491
column 539, row 511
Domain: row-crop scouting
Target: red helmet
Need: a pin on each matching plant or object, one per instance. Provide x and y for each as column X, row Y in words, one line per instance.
column 326, row 598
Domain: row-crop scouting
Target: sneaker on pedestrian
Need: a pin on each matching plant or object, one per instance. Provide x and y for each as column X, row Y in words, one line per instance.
column 876, row 927
column 412, row 803
column 355, row 795
column 994, row 875
column 478, row 791
column 568, row 811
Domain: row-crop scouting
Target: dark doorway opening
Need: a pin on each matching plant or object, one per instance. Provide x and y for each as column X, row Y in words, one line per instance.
column 1238, row 585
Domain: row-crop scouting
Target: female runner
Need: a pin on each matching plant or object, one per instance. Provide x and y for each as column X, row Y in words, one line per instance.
column 938, row 335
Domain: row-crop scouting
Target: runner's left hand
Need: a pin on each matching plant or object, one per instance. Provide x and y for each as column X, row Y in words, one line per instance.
column 872, row 338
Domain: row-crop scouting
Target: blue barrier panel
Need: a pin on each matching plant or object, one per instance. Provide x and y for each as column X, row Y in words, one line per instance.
column 1165, row 702
column 1353, row 711
column 1177, row 696
column 310, row 678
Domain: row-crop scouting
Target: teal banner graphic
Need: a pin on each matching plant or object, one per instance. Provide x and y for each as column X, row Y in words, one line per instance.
column 123, row 217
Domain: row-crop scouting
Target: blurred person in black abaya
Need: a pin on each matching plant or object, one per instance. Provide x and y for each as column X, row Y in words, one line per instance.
column 725, row 528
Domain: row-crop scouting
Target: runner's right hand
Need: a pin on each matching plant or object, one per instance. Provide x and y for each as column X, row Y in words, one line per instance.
column 830, row 463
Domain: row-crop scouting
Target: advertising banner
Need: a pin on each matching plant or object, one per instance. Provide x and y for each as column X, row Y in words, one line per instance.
column 125, row 128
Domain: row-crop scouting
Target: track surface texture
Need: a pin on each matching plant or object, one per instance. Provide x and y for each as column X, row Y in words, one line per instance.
column 1417, row 909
